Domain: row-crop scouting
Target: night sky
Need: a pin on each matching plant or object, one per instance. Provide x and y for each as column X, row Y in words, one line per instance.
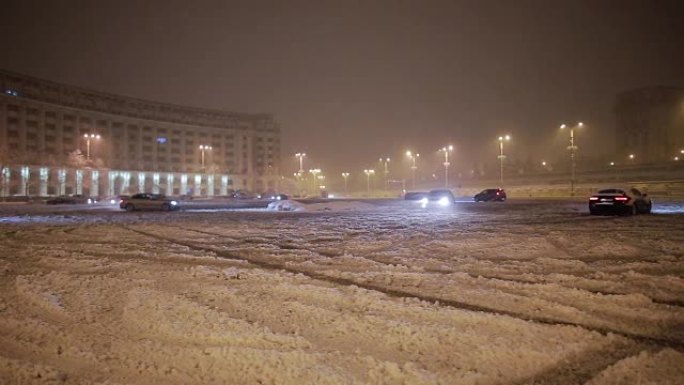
column 351, row 81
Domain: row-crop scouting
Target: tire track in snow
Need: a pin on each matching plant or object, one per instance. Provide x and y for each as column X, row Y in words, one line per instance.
column 524, row 282
column 648, row 341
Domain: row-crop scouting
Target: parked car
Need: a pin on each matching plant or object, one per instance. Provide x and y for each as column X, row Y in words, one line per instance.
column 629, row 201
column 71, row 199
column 147, row 201
column 272, row 196
column 490, row 195
column 415, row 195
column 244, row 194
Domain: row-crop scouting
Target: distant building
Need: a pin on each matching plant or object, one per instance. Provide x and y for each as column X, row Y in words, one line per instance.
column 143, row 145
column 650, row 124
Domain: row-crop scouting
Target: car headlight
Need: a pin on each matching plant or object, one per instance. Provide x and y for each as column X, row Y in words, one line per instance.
column 444, row 201
column 173, row 203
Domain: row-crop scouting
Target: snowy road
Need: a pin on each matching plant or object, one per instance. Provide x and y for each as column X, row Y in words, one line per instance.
column 342, row 293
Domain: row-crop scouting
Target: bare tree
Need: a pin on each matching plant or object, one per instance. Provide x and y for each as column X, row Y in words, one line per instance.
column 77, row 159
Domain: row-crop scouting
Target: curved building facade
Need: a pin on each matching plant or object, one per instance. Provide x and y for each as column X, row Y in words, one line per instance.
column 58, row 139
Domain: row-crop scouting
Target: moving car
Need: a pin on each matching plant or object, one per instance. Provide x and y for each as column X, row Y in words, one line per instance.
column 490, row 195
column 415, row 195
column 439, row 197
column 626, row 201
column 147, row 201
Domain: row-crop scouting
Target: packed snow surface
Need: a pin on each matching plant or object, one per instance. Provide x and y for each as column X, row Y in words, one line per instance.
column 342, row 293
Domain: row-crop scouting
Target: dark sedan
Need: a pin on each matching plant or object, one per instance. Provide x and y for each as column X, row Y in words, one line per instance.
column 626, row 201
column 490, row 195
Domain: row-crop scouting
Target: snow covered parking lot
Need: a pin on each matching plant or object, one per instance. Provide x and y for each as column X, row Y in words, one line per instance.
column 342, row 293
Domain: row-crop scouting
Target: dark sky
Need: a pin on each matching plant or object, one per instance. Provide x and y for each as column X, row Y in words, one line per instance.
column 354, row 80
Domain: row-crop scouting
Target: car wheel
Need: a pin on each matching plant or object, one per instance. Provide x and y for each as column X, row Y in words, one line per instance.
column 166, row 207
column 129, row 207
column 592, row 211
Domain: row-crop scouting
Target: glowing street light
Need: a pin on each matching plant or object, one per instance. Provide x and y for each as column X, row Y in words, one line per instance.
column 203, row 148
column 368, row 175
column 502, row 156
column 301, row 157
column 631, row 156
column 446, row 150
column 314, row 172
column 345, row 175
column 414, row 158
column 385, row 162
column 88, row 138
column 572, row 148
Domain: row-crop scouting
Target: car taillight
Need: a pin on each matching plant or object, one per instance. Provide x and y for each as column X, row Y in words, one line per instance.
column 593, row 198
column 621, row 199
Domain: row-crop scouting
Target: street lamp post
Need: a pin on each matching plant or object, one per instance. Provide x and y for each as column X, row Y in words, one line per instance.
column 301, row 156
column 368, row 175
column 88, row 138
column 446, row 150
column 314, row 172
column 203, row 148
column 345, row 175
column 573, row 148
column 414, row 167
column 386, row 165
column 502, row 139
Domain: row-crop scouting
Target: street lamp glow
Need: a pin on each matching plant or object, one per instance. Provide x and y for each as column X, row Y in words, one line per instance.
column 385, row 162
column 368, row 175
column 543, row 163
column 414, row 167
column 631, row 156
column 446, row 150
column 345, row 175
column 88, row 138
column 502, row 139
column 612, row 163
column 203, row 148
column 572, row 148
column 301, row 157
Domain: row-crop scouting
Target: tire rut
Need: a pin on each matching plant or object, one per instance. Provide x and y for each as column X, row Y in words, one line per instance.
column 649, row 341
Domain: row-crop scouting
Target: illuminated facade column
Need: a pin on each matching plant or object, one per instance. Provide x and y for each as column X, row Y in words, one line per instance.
column 198, row 185
column 5, row 175
column 61, row 182
column 25, row 174
column 169, row 184
column 44, row 178
column 210, row 186
column 224, row 185
column 184, row 184
column 79, row 181
column 155, row 183
column 111, row 184
column 141, row 182
column 94, row 183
